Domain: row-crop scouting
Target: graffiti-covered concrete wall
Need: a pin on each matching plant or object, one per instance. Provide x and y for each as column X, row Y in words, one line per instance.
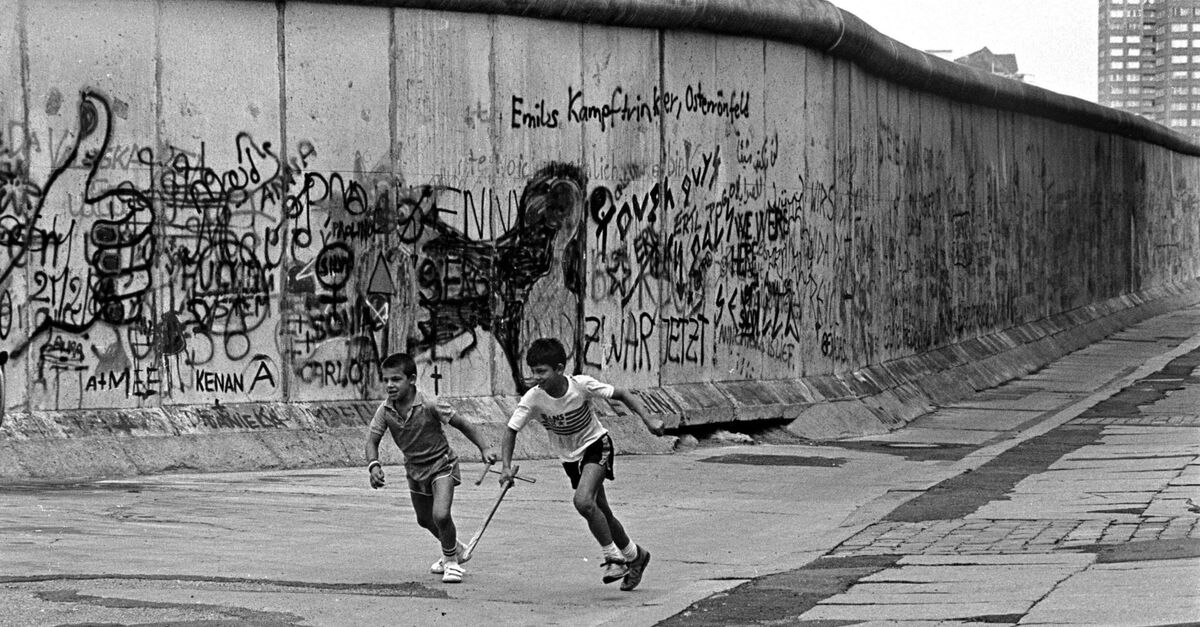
column 229, row 203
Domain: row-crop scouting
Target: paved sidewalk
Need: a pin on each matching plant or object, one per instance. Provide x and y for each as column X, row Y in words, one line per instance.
column 1089, row 516
column 1065, row 497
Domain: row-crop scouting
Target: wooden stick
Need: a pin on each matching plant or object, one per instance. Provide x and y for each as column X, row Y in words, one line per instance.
column 517, row 477
column 466, row 554
column 486, row 468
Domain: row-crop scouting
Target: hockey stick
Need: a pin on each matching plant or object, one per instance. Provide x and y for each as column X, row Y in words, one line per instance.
column 466, row 554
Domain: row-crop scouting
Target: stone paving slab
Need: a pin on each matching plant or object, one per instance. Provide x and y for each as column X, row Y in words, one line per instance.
column 990, row 621
column 914, row 612
column 996, row 420
column 975, row 589
column 917, row 435
column 1058, row 559
column 1141, row 593
column 1017, row 397
column 1047, row 570
column 1165, row 420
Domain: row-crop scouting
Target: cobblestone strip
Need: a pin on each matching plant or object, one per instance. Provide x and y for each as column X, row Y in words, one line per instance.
column 1140, row 421
column 985, row 536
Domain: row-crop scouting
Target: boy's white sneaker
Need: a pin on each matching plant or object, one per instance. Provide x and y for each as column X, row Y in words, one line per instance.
column 439, row 567
column 453, row 573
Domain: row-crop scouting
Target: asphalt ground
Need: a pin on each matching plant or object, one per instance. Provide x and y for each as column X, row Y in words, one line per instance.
column 1065, row 497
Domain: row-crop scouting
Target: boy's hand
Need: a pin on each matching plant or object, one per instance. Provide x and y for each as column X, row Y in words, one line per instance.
column 506, row 475
column 377, row 477
column 655, row 425
column 489, row 455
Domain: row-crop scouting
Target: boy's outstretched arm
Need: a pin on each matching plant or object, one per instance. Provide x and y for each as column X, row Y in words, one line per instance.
column 373, row 466
column 469, row 430
column 507, row 443
column 631, row 400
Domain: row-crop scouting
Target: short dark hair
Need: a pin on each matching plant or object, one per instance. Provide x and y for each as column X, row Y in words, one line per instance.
column 546, row 351
column 401, row 361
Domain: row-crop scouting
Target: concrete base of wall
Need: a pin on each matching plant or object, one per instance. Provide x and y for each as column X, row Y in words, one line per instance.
column 73, row 445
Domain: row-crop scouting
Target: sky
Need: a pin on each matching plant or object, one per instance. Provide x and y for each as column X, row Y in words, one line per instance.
column 1054, row 40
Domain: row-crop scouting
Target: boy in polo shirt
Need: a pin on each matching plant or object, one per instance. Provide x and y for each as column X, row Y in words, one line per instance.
column 415, row 422
column 563, row 405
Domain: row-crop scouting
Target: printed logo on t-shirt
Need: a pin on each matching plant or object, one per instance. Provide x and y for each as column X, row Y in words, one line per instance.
column 573, row 421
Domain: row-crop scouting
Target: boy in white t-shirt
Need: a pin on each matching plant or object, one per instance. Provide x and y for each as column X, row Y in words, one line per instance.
column 562, row 404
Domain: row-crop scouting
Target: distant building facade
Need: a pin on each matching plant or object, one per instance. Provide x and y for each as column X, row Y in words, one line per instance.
column 1149, row 60
column 985, row 60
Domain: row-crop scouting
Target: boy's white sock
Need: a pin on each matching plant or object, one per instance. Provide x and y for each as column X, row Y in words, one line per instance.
column 629, row 552
column 611, row 551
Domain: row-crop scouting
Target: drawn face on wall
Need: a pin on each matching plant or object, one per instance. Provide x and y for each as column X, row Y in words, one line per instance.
column 558, row 207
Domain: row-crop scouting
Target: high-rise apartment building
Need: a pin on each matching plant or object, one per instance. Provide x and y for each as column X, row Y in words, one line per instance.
column 1149, row 60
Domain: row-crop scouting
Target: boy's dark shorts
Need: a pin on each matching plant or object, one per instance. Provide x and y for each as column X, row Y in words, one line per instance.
column 421, row 477
column 598, row 452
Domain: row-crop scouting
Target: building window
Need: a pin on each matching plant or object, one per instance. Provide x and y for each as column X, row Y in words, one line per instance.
column 1179, row 58
column 1179, row 106
column 1133, row 39
column 1135, row 90
column 1117, row 52
column 1179, row 43
column 1195, row 121
column 1179, row 74
column 1133, row 78
column 1178, row 122
column 1179, row 28
column 1117, row 90
column 1196, row 58
column 1116, row 13
column 1196, row 91
column 1133, row 65
column 1179, row 91
column 1118, row 65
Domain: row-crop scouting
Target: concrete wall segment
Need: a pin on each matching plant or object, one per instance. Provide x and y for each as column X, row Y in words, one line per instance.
column 622, row 334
